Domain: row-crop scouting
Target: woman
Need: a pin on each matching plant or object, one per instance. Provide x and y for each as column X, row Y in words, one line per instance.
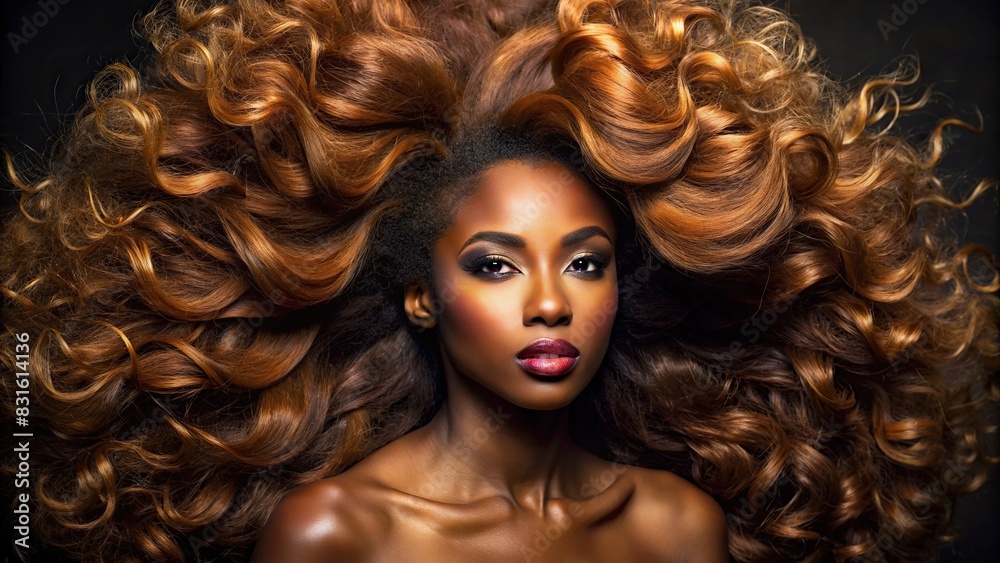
column 525, row 295
column 242, row 283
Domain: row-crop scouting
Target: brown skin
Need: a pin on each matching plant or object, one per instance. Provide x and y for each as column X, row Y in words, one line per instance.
column 495, row 476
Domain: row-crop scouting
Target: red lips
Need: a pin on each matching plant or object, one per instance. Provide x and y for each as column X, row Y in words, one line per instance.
column 548, row 357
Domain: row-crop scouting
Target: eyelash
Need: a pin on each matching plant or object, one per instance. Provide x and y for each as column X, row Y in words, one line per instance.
column 598, row 262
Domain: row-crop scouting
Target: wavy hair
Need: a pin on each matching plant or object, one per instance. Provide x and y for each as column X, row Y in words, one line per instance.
column 202, row 269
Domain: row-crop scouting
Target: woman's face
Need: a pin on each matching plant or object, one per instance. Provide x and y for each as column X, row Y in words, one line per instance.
column 526, row 283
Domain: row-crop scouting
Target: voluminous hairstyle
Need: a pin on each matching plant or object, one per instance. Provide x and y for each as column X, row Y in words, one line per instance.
column 205, row 269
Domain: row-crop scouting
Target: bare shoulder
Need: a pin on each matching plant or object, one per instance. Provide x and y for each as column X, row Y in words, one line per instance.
column 675, row 520
column 347, row 517
column 328, row 520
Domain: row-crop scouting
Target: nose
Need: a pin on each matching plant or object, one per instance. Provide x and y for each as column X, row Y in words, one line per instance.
column 547, row 302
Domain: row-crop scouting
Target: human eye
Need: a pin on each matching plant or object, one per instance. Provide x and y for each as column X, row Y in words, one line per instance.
column 491, row 267
column 590, row 265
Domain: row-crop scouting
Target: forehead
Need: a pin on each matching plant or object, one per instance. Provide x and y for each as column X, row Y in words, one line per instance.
column 523, row 197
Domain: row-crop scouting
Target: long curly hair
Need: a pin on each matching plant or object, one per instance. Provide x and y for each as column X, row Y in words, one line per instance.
column 202, row 271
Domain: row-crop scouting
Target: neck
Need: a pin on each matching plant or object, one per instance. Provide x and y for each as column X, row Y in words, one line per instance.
column 482, row 445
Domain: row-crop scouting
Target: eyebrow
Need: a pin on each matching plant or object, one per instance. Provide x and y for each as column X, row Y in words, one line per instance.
column 514, row 241
column 583, row 234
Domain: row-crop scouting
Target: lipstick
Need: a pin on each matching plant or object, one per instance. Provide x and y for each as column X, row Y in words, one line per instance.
column 547, row 357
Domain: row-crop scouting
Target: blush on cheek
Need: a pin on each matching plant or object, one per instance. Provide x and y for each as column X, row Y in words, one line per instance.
column 464, row 317
column 471, row 319
column 599, row 318
column 471, row 307
column 474, row 336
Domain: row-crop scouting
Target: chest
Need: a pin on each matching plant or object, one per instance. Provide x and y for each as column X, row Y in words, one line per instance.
column 515, row 541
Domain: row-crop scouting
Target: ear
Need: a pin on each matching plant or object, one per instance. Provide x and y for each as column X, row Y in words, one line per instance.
column 419, row 304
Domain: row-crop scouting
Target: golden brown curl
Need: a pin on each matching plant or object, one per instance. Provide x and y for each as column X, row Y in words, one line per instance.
column 837, row 416
column 184, row 269
column 177, row 269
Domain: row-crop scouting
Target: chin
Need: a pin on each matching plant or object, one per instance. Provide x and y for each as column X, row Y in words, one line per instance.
column 541, row 401
column 542, row 406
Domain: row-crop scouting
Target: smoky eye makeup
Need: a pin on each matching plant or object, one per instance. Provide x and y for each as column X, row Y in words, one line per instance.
column 487, row 265
column 588, row 265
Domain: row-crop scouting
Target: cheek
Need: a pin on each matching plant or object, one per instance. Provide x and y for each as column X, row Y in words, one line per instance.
column 470, row 317
column 475, row 320
column 598, row 315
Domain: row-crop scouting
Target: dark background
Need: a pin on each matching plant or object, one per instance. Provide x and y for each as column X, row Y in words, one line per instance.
column 42, row 82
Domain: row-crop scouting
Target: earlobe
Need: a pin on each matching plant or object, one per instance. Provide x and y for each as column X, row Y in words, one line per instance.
column 419, row 305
